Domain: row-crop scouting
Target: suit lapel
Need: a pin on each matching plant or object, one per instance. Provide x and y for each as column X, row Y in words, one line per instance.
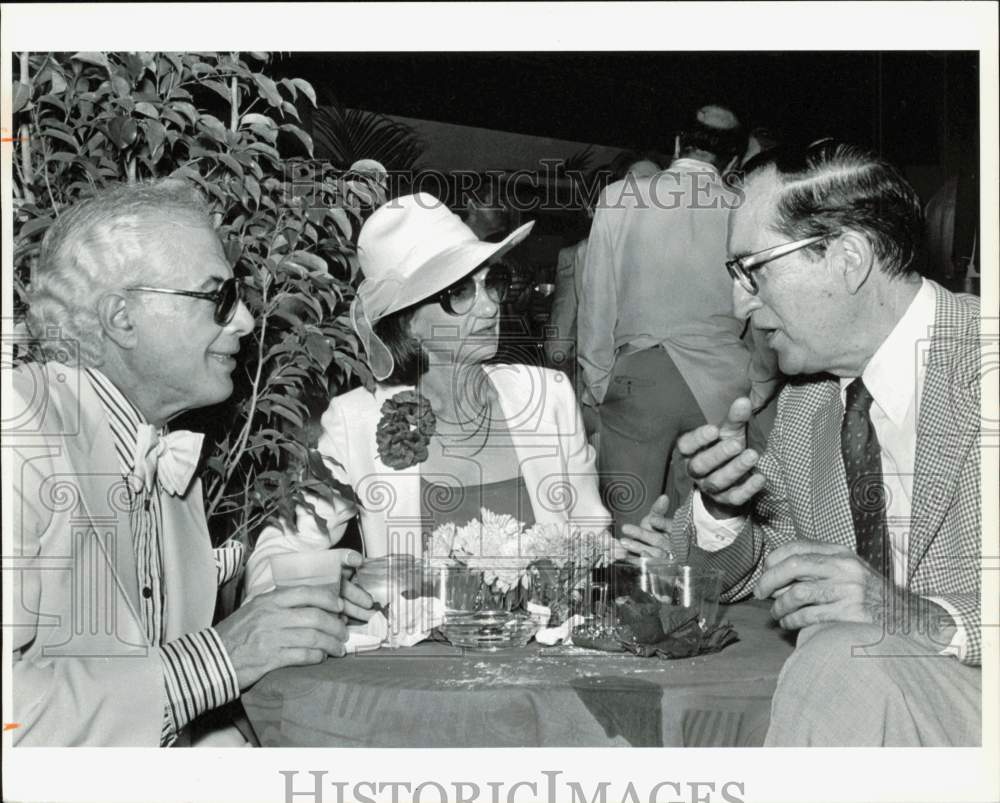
column 104, row 504
column 947, row 427
column 831, row 508
column 188, row 564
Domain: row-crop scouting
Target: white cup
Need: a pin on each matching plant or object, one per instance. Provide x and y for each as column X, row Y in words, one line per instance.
column 315, row 568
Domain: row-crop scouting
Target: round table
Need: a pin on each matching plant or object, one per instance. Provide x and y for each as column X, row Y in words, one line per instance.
column 436, row 695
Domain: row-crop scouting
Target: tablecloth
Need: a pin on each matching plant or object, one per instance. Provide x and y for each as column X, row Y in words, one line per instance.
column 436, row 695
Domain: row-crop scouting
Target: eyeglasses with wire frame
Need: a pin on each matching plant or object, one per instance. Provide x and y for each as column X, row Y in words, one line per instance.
column 226, row 298
column 741, row 268
column 460, row 298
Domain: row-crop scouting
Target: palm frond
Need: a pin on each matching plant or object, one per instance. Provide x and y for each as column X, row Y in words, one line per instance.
column 345, row 136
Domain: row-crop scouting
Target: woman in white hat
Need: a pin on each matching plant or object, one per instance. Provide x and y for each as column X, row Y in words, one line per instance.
column 444, row 435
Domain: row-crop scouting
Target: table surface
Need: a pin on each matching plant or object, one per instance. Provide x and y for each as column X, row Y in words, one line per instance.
column 436, row 695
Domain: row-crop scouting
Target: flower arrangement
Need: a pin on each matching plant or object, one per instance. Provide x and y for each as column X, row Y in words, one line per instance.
column 404, row 430
column 544, row 564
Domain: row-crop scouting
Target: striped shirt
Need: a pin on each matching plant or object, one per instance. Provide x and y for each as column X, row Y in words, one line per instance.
column 197, row 673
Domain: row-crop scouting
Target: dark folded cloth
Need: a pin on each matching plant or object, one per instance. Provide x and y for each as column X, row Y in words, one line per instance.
column 646, row 628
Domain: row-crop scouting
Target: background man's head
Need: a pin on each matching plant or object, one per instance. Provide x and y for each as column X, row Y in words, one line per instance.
column 714, row 135
column 165, row 351
column 826, row 305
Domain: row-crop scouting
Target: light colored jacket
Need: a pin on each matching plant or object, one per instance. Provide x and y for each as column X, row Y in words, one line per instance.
column 654, row 274
column 806, row 493
column 83, row 670
column 545, row 427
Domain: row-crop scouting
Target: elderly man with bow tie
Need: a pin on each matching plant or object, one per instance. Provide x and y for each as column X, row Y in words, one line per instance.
column 114, row 575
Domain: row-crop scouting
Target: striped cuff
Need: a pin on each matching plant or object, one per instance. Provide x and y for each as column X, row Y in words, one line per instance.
column 198, row 676
column 228, row 560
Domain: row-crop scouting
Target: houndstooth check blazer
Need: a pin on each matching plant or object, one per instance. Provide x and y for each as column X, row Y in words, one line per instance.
column 806, row 494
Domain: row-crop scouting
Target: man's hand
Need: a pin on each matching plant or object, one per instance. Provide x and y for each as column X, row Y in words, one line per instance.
column 285, row 627
column 652, row 537
column 720, row 463
column 357, row 601
column 813, row 581
column 385, row 577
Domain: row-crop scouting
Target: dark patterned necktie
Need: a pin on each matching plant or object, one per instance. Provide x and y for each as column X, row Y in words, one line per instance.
column 863, row 467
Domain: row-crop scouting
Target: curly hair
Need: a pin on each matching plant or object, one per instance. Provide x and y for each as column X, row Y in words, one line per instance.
column 833, row 185
column 99, row 244
column 409, row 358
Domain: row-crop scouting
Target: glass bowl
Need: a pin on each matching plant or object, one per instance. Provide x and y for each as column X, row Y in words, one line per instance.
column 488, row 630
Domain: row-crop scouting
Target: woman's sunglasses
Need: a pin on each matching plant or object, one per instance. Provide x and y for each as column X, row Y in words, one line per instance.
column 226, row 298
column 460, row 298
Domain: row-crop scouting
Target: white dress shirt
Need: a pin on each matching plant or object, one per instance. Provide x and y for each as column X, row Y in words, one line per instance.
column 897, row 366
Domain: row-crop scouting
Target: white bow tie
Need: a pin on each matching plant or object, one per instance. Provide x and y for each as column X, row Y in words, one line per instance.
column 170, row 458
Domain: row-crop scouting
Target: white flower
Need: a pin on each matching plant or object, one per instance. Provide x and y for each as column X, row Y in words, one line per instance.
column 501, row 548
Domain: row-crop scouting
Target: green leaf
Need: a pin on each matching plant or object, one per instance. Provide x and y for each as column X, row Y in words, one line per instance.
column 219, row 88
column 308, row 260
column 33, row 227
column 270, row 134
column 55, row 133
column 171, row 116
column 213, row 127
column 21, row 96
column 123, row 131
column 268, row 90
column 97, row 59
column 290, row 110
column 187, row 110
column 135, row 65
column 260, row 147
column 252, row 118
column 233, row 165
column 53, row 101
column 58, row 83
column 253, row 188
column 174, row 59
column 287, row 412
column 147, row 109
column 305, row 88
column 155, row 134
column 303, row 137
column 339, row 216
column 121, row 86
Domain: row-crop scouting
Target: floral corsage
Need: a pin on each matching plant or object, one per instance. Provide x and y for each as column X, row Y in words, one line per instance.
column 404, row 430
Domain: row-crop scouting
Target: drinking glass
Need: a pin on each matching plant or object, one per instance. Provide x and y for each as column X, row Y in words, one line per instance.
column 315, row 568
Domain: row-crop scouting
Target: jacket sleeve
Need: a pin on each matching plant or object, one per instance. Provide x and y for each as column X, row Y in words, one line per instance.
column 587, row 513
column 308, row 534
column 561, row 337
column 62, row 698
column 598, row 307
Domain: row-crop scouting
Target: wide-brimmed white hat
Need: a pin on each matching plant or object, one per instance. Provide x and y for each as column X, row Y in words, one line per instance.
column 410, row 249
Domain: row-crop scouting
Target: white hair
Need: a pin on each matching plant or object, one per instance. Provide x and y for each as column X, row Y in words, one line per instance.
column 97, row 245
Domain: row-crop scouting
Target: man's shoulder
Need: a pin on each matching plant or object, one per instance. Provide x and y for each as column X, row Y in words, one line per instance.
column 47, row 400
column 955, row 309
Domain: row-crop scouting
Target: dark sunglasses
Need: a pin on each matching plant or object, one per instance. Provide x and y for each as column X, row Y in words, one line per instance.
column 226, row 298
column 460, row 298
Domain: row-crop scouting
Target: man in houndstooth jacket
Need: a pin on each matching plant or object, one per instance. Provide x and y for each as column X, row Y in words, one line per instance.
column 824, row 251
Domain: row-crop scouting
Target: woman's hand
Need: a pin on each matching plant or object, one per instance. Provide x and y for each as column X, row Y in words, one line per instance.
column 651, row 539
column 386, row 577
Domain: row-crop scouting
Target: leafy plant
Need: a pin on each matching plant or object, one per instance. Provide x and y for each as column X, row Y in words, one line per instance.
column 86, row 119
column 343, row 137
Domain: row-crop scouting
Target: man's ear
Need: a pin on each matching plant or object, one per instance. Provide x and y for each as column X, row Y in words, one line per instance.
column 854, row 259
column 116, row 321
